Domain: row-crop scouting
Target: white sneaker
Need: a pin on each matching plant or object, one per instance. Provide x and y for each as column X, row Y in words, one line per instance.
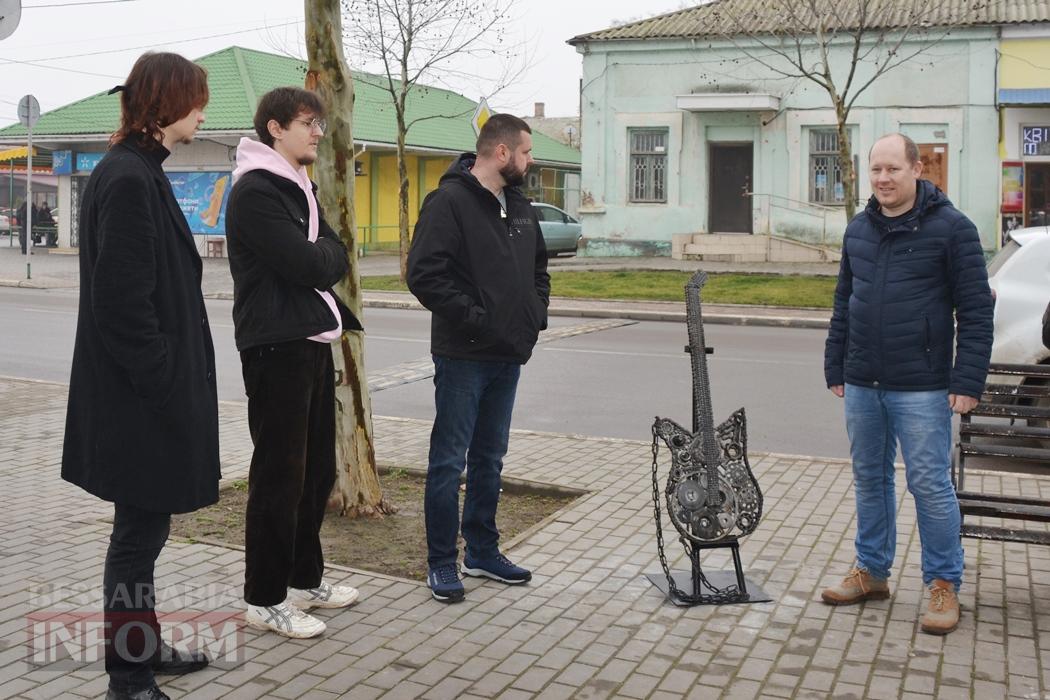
column 284, row 619
column 324, row 596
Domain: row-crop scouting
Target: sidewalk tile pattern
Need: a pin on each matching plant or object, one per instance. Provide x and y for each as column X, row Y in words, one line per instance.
column 588, row 626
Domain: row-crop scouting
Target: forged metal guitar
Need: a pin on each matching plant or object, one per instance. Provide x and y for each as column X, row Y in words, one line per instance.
column 711, row 492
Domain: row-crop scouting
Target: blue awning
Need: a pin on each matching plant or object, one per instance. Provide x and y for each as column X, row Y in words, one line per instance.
column 1024, row 96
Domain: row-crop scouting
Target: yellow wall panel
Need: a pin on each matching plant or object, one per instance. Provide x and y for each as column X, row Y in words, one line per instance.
column 362, row 197
column 1025, row 63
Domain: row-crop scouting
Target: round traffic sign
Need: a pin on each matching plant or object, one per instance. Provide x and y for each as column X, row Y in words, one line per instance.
column 10, row 14
column 28, row 111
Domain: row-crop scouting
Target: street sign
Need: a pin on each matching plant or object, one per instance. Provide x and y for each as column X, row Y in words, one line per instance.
column 10, row 15
column 28, row 114
column 481, row 115
column 28, row 111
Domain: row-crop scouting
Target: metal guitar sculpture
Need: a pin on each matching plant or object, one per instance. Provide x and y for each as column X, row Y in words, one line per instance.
column 711, row 493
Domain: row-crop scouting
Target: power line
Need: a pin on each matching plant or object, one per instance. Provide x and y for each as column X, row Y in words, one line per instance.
column 59, row 68
column 39, row 61
column 75, row 4
column 109, row 39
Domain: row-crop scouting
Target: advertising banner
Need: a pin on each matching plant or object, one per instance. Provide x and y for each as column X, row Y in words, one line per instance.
column 202, row 197
column 1013, row 186
column 86, row 162
column 62, row 162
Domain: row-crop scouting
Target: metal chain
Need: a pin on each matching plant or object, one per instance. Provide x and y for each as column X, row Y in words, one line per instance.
column 717, row 596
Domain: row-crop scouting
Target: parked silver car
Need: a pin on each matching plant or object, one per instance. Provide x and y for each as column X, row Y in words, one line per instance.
column 561, row 232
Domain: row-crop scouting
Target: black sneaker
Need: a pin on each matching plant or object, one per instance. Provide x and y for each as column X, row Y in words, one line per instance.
column 498, row 568
column 445, row 584
column 150, row 693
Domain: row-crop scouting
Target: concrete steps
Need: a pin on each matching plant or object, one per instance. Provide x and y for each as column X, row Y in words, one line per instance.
column 742, row 247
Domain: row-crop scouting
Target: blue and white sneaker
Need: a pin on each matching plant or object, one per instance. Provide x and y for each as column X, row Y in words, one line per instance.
column 498, row 568
column 445, row 584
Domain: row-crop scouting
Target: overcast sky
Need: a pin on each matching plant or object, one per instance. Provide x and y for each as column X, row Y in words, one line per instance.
column 81, row 47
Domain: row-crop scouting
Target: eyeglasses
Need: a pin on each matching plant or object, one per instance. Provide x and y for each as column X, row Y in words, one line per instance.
column 319, row 124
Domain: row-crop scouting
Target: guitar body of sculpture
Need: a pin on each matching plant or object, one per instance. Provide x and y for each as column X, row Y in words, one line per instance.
column 711, row 493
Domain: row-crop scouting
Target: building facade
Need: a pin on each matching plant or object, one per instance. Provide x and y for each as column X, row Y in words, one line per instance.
column 77, row 135
column 690, row 134
column 1024, row 103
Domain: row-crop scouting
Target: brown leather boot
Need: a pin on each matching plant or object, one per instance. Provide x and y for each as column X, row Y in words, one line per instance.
column 942, row 614
column 858, row 586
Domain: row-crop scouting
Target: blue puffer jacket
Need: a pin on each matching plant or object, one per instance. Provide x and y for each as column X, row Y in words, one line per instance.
column 899, row 284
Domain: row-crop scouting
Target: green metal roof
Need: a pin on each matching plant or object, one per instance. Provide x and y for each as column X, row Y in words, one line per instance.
column 766, row 17
column 237, row 77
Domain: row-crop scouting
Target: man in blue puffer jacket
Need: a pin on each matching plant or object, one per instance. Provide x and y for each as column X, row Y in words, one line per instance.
column 912, row 289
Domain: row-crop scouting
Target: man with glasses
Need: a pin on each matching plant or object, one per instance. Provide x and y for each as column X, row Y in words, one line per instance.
column 285, row 259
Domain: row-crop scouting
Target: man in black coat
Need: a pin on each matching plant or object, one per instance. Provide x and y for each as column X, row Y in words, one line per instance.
column 912, row 272
column 478, row 262
column 285, row 259
column 142, row 425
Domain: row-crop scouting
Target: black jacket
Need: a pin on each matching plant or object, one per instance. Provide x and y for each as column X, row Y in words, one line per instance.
column 142, row 424
column 275, row 267
column 482, row 274
column 903, row 288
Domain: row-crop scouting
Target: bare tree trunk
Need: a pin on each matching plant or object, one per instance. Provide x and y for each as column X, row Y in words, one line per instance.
column 357, row 491
column 849, row 178
column 402, row 198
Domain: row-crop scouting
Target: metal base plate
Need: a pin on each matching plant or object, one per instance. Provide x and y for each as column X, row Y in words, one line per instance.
column 720, row 579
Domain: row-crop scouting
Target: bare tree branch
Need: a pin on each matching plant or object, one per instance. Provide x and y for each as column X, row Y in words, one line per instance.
column 425, row 40
column 811, row 34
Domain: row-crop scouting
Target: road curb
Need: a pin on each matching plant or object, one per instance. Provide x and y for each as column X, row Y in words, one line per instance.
column 732, row 319
column 38, row 284
column 741, row 319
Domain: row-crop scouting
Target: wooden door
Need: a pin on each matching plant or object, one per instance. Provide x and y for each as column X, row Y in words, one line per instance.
column 934, row 157
column 729, row 175
column 1037, row 194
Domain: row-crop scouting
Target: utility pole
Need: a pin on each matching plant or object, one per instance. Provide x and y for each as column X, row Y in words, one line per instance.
column 28, row 114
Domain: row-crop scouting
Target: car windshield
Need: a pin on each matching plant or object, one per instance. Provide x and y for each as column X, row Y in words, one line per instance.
column 1004, row 254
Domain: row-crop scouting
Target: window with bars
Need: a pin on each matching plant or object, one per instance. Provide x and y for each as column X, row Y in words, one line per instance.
column 825, row 174
column 647, row 181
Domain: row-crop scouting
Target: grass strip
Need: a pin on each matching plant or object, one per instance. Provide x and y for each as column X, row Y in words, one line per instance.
column 667, row 285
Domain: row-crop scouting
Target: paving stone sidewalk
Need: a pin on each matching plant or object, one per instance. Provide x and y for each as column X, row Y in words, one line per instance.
column 589, row 625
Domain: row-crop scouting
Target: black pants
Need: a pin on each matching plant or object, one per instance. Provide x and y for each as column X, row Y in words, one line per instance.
column 132, row 632
column 291, row 415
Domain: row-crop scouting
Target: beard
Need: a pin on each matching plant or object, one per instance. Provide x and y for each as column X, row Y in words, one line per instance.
column 512, row 175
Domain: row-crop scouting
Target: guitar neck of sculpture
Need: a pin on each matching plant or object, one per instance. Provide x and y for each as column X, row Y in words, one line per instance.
column 703, row 411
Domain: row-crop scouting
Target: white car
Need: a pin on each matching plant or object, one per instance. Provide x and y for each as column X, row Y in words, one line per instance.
column 5, row 223
column 1019, row 275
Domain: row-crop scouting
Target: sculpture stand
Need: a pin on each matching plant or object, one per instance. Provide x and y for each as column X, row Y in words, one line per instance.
column 715, row 588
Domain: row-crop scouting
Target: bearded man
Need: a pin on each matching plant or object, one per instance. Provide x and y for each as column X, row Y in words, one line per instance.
column 479, row 264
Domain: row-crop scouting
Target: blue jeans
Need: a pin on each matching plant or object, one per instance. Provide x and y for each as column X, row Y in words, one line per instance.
column 474, row 401
column 921, row 420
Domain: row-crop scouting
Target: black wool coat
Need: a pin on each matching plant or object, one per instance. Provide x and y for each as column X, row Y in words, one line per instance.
column 142, row 421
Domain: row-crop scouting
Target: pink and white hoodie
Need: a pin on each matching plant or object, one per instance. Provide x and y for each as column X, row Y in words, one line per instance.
column 253, row 155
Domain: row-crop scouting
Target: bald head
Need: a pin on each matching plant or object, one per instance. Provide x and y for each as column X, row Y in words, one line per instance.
column 911, row 151
column 894, row 168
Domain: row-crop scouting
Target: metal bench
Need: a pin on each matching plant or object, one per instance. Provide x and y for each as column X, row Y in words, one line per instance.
column 1008, row 434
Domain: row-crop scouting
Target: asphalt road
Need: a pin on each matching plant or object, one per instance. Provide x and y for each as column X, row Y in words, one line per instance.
column 609, row 383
